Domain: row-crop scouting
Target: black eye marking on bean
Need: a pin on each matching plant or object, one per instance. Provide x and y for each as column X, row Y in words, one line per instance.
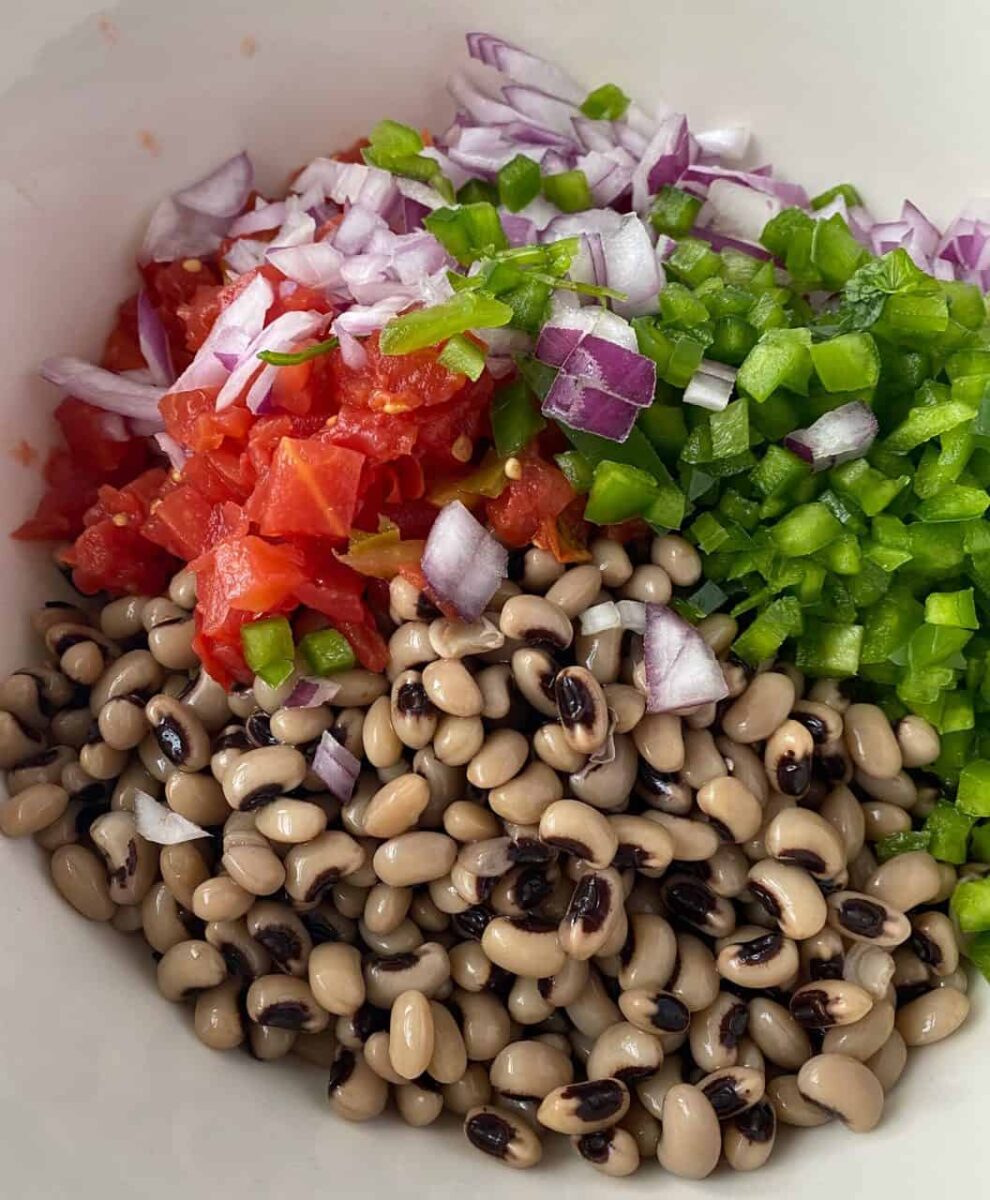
column 171, row 739
column 548, row 684
column 798, row 857
column 260, row 797
column 724, row 1097
column 595, row 1146
column 833, row 766
column 760, row 950
column 426, row 610
column 341, row 1070
column 766, row 899
column 757, row 1124
column 814, row 725
column 68, row 640
column 531, row 888
column 926, row 948
column 571, row 846
column 323, row 883
column 690, row 900
column 733, row 1025
column 574, row 700
column 471, row 923
column 793, row 774
column 397, row 962
column 591, row 902
column 231, row 739
column 412, row 701
column 863, row 917
column 597, row 1100
column 319, row 928
column 812, row 1010
column 826, row 968
column 285, row 1014
column 531, row 924
column 236, row 960
column 490, row 1133
column 670, row 1014
column 258, row 728
column 281, row 942
column 529, row 851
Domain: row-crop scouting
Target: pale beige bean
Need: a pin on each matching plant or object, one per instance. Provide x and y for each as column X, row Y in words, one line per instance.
column 449, row 1060
column 289, row 821
column 502, row 1135
column 409, row 646
column 578, row 1108
column 932, row 1017
column 385, row 908
column 760, row 709
column 769, row 960
column 748, row 1140
column 451, row 688
column 397, row 806
column 493, row 683
column 197, row 797
column 576, row 589
column 731, row 807
column 354, row 1091
column 470, row 1091
column 863, row 1038
column 918, row 741
column 525, row 797
column 458, row 739
column 889, row 1061
column 778, row 1035
column 690, row 1139
column 649, row 584
column 183, row 868
column 458, row 639
column 530, row 1070
column 217, row 1021
column 414, row 858
column 485, row 1024
column 829, row 1002
column 132, row 862
column 906, row 880
column 189, row 967
column 524, row 946
column 613, row 1152
column 791, row 1107
column 81, row 879
column 843, row 811
column 693, row 841
column 537, row 619
column 312, row 868
column 580, row 830
column 382, row 746
column 377, row 1057
column 702, row 761
column 659, row 740
column 595, row 908
column 612, row 560
column 871, row 741
column 862, row 918
column 417, row 1105
column 466, row 821
column 220, row 899
column 715, row 1032
column 357, row 688
column 502, row 757
column 933, row 939
column 790, row 896
column 845, row 1087
column 678, row 558
column 552, row 747
column 411, row 1034
column 32, row 810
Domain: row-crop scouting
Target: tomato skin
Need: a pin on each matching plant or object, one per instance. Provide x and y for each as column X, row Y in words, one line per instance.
column 311, row 489
column 394, row 383
column 246, row 574
column 330, row 587
column 221, row 653
column 541, row 494
column 365, row 640
column 108, row 556
column 380, row 438
column 192, row 419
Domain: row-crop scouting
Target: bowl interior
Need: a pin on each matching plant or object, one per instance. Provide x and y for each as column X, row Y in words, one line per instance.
column 103, row 1083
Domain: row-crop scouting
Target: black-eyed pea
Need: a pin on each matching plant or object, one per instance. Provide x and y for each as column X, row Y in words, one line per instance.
column 731, row 1090
column 790, row 896
column 595, row 906
column 791, row 1107
column 101, row 761
column 768, row 960
column 578, row 1108
column 417, row 1104
column 81, row 880
column 122, row 723
column 183, row 868
column 580, row 830
column 525, row 1003
column 863, row 1038
column 727, row 871
column 641, row 844
column 244, row 956
column 376, row 1055
column 716, row 1031
column 451, row 688
column 649, row 583
column 382, row 746
column 760, row 710
column 656, row 1012
column 472, row 1090
column 871, row 741
column 613, row 1152
column 414, row 858
column 312, row 868
column 690, row 1138
column 413, row 715
column 829, row 1002
column 189, row 967
column 256, row 777
column 283, row 935
column 693, row 841
column 406, row 936
column 524, row 798
column 918, row 740
column 534, row 671
column 220, row 899
column 530, row 1070
column 779, row 1037
column 889, row 1061
column 524, row 946
column 501, row 1134
column 933, row 939
column 551, row 747
column 583, row 710
column 396, row 807
column 626, row 705
column 843, row 811
column 803, row 838
column 933, row 1016
column 217, row 1020
column 285, row 1002
column 658, row 738
column 625, row 1052
column 179, row 733
column 644, row 1127
column 458, row 739
column 601, row 655
column 411, row 1034
column 197, row 797
column 32, row 810
column 493, row 683
column 593, row 1010
column 354, row 1091
column 612, row 561
column 843, row 1087
column 734, row 811
column 881, row 819
column 905, row 881
column 695, row 980
column 425, row 969
column 788, row 758
column 748, row 1139
column 132, row 862
column 862, row 918
column 485, row 1024
column 678, row 558
column 409, row 646
column 702, row 761
column 289, row 821
column 449, row 1060
column 268, row 1043
column 691, row 901
column 576, row 589
column 385, row 908
column 468, row 822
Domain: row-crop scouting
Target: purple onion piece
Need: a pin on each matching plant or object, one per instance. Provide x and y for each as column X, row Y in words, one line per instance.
column 681, row 669
column 836, row 437
column 462, row 562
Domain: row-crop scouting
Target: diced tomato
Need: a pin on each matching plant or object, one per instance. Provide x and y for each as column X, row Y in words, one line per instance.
column 311, row 489
column 221, row 652
column 93, row 437
column 365, row 640
column 465, row 416
column 394, row 383
column 171, row 287
column 290, row 391
column 122, row 349
column 112, row 555
column 380, row 437
column 192, row 419
column 221, row 475
column 330, row 587
column 180, row 522
column 246, row 574
column 565, row 536
column 414, row 518
column 132, row 501
column 540, row 495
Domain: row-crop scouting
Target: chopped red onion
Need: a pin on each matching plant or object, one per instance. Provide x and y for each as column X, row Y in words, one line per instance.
column 844, row 433
column 316, row 265
column 223, row 192
column 457, row 175
column 311, row 693
column 613, row 369
column 524, row 67
column 519, row 230
column 154, row 342
column 157, row 823
column 336, row 766
column 246, row 254
column 545, row 110
column 698, row 179
column 594, row 135
column 258, row 220
column 351, row 351
column 349, row 183
column 631, row 267
column 280, row 336
column 663, row 159
column 175, row 232
column 354, row 232
column 362, row 319
column 711, row 385
column 632, row 615
column 681, row 668
column 103, row 388
column 607, row 174
column 175, row 454
column 462, row 562
column 599, row 618
column 476, row 103
column 739, row 211
column 582, row 406
column 233, row 331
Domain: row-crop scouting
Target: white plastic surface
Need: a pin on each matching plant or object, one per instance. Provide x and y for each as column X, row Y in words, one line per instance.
column 104, row 1091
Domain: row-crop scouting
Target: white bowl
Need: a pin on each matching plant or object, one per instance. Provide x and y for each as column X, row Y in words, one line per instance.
column 104, row 1092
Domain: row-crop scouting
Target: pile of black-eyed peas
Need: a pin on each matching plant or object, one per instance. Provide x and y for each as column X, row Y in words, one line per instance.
column 542, row 909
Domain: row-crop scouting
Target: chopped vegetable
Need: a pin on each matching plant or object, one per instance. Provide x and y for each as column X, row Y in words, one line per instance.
column 327, row 652
column 269, row 649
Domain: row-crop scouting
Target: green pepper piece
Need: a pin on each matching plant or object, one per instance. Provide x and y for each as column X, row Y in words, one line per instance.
column 973, row 797
column 804, row 530
column 901, row 843
column 835, row 252
column 606, row 103
column 845, row 190
column 673, row 212
column 477, row 191
column 518, row 183
column 461, row 356
column 948, row 830
column 268, row 649
column 847, row 363
column 830, row 650
column 569, row 191
column 952, row 608
column 781, row 358
column 618, row 492
column 777, row 622
column 468, row 232
column 327, row 652
column 693, row 262
column 730, row 429
column 970, row 904
column 578, row 472
column 516, row 419
column 979, row 846
column 428, row 326
column 953, row 503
